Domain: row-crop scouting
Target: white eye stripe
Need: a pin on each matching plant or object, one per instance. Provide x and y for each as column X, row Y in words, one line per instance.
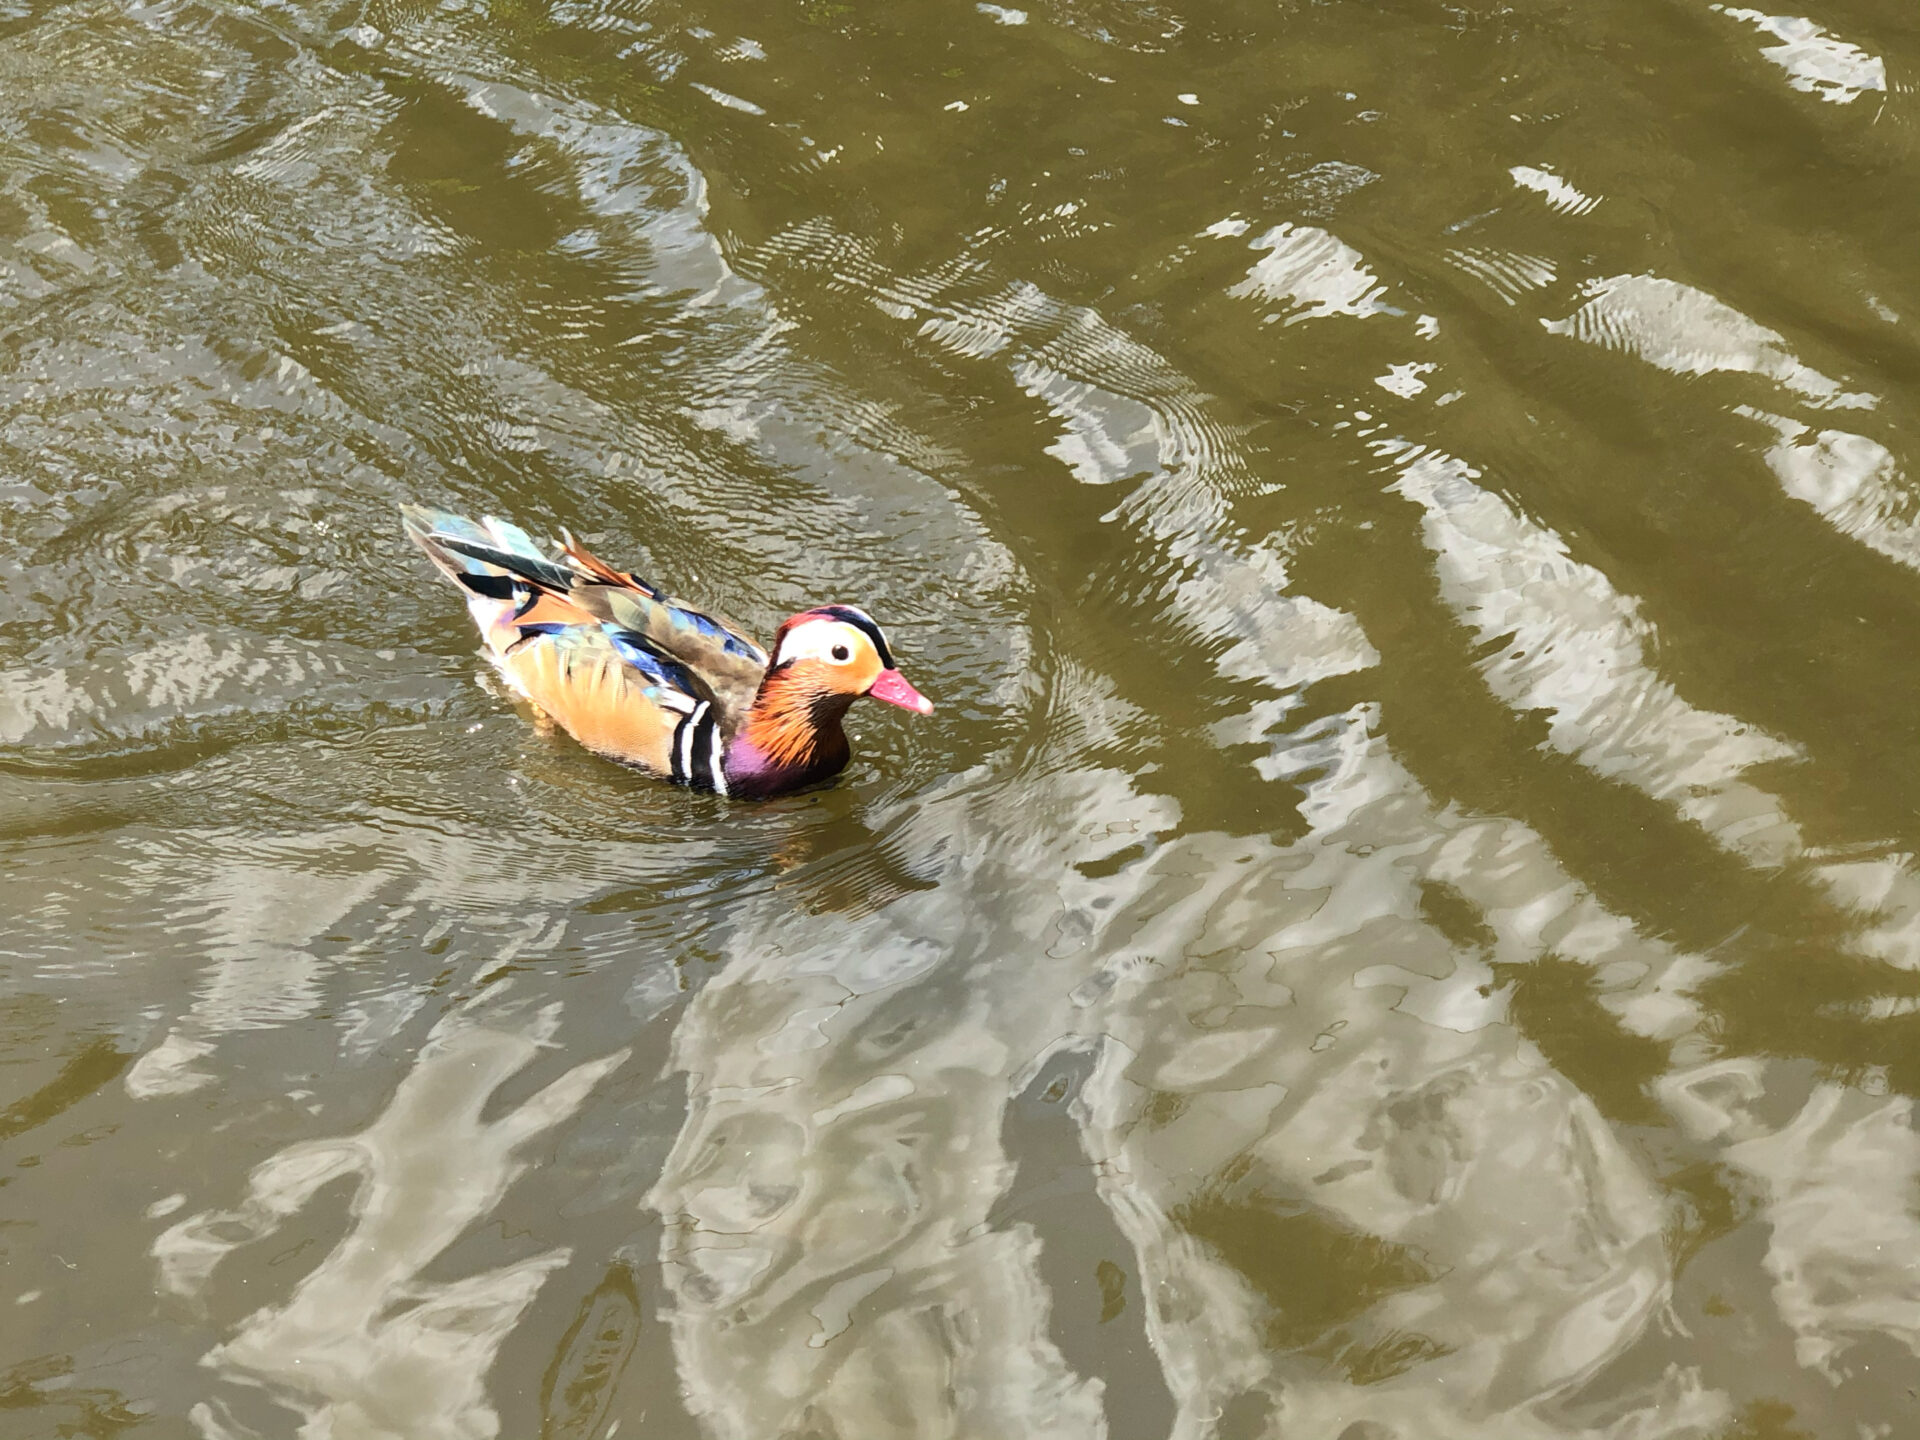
column 832, row 641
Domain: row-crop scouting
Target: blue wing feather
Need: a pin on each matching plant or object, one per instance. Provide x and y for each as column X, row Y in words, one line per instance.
column 659, row 667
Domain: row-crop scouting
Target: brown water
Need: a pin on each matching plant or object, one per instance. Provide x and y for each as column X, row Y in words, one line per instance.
column 1406, row 924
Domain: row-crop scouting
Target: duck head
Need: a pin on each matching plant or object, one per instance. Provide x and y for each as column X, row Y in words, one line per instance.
column 838, row 652
column 823, row 660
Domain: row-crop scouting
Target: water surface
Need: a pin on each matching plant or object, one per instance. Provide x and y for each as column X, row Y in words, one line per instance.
column 1405, row 924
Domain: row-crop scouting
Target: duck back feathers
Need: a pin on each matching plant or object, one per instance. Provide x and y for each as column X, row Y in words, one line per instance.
column 491, row 556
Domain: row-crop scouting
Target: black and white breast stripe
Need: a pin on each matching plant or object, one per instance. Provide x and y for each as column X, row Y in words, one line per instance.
column 697, row 751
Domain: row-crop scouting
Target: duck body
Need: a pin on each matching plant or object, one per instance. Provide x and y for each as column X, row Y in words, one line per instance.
column 653, row 683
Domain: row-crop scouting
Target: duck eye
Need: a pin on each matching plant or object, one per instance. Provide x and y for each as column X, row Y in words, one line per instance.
column 840, row 652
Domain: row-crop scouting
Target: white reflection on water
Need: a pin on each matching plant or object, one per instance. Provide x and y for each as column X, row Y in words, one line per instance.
column 1842, row 1187
column 1689, row 332
column 1124, row 410
column 1105, row 437
column 1561, row 194
column 847, row 1098
column 1575, row 640
column 828, row 1201
column 1854, row 483
column 268, row 907
column 363, row 1346
column 200, row 676
column 1571, row 645
column 1816, row 62
column 1313, row 273
column 1290, row 1054
column 1838, row 1178
column 1843, row 1181
column 261, row 914
column 1306, row 1063
column 647, row 196
column 1285, row 1038
column 1507, row 274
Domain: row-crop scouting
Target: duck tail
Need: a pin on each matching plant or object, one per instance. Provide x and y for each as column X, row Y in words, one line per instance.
column 486, row 549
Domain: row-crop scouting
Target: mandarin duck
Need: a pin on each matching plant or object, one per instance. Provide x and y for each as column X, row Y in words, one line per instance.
column 647, row 681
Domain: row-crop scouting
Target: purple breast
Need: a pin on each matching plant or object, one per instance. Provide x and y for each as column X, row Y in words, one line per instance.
column 751, row 774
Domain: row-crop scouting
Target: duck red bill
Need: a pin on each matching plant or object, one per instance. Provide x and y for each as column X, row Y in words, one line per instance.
column 893, row 688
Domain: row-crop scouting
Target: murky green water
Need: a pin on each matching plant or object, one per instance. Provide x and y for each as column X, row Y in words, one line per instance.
column 1405, row 925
